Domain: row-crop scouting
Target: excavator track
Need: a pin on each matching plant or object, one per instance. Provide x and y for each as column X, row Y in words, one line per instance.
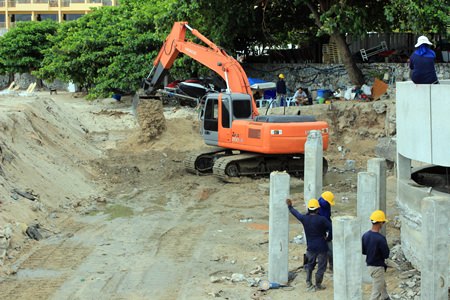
column 201, row 162
column 231, row 167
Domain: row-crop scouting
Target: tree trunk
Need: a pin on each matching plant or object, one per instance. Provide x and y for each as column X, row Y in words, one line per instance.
column 354, row 73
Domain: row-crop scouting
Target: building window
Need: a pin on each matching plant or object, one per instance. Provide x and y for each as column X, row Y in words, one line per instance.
column 43, row 17
column 71, row 17
column 23, row 18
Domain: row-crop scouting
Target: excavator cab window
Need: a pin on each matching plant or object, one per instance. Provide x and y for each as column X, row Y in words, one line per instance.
column 225, row 115
column 211, row 115
column 242, row 106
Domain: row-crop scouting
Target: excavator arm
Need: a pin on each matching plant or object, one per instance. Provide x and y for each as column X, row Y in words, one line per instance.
column 210, row 56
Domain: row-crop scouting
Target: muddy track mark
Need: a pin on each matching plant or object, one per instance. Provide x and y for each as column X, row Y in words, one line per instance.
column 35, row 289
column 179, row 242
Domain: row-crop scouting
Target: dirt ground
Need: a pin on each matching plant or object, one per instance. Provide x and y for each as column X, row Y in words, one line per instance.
column 122, row 219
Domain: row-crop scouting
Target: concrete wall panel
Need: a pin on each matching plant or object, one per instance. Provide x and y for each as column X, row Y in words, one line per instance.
column 414, row 121
column 440, row 134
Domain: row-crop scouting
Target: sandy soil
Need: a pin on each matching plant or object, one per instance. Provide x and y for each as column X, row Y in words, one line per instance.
column 121, row 219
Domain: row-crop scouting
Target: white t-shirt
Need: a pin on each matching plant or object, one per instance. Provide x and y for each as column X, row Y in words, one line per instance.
column 299, row 94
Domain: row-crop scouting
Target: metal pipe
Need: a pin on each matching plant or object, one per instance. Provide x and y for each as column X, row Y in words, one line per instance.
column 226, row 80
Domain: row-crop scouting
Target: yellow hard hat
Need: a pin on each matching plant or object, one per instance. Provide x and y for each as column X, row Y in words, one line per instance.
column 313, row 204
column 378, row 216
column 281, row 76
column 328, row 196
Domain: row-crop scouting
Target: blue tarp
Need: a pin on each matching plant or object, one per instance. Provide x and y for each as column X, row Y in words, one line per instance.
column 269, row 88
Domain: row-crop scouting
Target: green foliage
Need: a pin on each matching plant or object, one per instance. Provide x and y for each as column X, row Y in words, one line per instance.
column 112, row 48
column 419, row 17
column 21, row 48
column 346, row 17
column 108, row 50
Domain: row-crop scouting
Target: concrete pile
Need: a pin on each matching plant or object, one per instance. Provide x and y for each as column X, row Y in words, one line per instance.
column 5, row 239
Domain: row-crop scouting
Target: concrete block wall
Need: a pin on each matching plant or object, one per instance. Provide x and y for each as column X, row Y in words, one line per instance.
column 333, row 76
column 423, row 135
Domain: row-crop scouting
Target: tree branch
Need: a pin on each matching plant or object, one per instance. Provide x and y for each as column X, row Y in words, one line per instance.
column 314, row 12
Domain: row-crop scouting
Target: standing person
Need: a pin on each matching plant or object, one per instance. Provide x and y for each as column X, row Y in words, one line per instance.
column 326, row 200
column 317, row 231
column 421, row 63
column 375, row 247
column 281, row 90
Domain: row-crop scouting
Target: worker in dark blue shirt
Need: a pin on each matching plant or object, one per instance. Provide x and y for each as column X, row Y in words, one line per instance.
column 421, row 63
column 375, row 247
column 318, row 232
column 281, row 90
column 326, row 200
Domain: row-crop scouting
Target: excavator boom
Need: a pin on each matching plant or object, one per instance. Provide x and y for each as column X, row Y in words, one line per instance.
column 211, row 56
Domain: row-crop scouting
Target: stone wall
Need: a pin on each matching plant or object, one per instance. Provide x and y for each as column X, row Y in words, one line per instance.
column 25, row 79
column 333, row 76
column 311, row 76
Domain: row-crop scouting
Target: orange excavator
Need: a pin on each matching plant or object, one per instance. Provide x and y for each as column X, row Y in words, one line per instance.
column 245, row 143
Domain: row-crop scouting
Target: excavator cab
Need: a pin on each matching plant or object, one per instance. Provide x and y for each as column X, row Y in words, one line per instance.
column 219, row 112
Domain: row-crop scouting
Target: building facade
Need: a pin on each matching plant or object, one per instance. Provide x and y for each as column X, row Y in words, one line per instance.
column 13, row 11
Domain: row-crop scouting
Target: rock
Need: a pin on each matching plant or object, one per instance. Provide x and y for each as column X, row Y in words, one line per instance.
column 33, row 232
column 379, row 107
column 387, row 148
column 258, row 269
column 237, row 277
column 298, row 240
column 407, row 274
column 251, row 282
column 410, row 284
column 216, row 294
column 392, row 264
column 349, row 165
column 214, row 279
column 410, row 293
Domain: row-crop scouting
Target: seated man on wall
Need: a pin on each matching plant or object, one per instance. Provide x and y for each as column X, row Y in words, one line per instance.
column 300, row 97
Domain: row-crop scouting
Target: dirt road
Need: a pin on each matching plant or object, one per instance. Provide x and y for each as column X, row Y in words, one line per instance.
column 123, row 220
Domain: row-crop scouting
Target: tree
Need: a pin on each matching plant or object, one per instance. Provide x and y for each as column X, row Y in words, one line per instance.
column 108, row 50
column 22, row 47
column 421, row 17
column 339, row 18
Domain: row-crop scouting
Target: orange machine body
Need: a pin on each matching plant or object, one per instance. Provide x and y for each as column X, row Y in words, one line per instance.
column 270, row 138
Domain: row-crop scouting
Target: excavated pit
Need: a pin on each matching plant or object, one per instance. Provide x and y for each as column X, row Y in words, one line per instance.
column 437, row 177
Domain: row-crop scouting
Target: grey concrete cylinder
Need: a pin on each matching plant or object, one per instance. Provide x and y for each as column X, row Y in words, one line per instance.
column 313, row 166
column 378, row 166
column 278, row 227
column 365, row 206
column 435, row 258
column 347, row 277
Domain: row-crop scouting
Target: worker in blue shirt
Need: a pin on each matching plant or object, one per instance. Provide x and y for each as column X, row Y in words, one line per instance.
column 326, row 200
column 421, row 63
column 317, row 231
column 375, row 247
column 281, row 90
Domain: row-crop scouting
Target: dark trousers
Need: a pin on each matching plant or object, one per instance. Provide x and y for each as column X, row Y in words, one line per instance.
column 319, row 258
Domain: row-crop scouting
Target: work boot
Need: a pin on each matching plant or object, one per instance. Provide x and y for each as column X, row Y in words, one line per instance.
column 319, row 285
column 308, row 279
